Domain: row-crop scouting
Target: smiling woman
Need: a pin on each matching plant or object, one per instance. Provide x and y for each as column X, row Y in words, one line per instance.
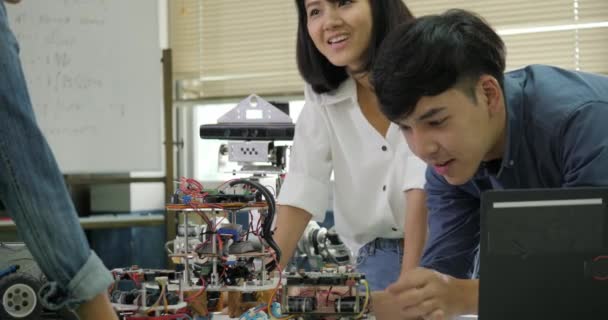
column 336, row 45
column 316, row 68
column 340, row 30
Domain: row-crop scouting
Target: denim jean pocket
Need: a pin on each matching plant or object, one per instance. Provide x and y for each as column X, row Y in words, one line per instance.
column 363, row 254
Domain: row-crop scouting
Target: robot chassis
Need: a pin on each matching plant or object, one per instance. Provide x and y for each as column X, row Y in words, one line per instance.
column 219, row 265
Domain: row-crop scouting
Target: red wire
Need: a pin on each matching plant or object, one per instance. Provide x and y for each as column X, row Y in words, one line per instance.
column 218, row 223
column 197, row 294
column 220, row 244
column 280, row 277
column 190, row 186
column 202, row 244
column 225, row 183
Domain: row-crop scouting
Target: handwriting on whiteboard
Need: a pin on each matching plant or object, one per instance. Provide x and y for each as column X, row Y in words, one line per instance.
column 66, row 83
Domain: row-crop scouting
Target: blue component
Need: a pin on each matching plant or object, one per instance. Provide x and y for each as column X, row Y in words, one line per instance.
column 9, row 270
column 232, row 232
column 186, row 199
column 251, row 314
column 275, row 309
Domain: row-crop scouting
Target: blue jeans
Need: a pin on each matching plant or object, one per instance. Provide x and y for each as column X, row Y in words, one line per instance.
column 34, row 193
column 380, row 261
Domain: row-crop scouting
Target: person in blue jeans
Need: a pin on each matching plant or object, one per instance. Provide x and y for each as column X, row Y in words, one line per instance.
column 377, row 187
column 441, row 78
column 34, row 193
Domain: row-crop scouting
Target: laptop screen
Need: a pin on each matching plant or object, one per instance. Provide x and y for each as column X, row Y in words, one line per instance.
column 543, row 254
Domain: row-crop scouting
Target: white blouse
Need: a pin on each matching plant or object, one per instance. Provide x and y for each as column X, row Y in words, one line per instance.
column 371, row 172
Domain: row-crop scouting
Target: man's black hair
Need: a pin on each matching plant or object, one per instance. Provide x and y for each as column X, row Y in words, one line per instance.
column 318, row 71
column 433, row 54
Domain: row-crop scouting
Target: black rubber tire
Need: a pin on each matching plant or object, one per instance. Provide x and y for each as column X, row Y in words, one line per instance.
column 18, row 292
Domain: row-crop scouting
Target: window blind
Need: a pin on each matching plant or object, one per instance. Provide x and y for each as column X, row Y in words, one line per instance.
column 566, row 33
column 232, row 48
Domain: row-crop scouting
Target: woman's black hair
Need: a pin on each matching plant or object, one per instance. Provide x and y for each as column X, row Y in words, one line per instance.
column 321, row 74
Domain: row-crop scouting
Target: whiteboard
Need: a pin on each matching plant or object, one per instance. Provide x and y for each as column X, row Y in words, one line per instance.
column 95, row 79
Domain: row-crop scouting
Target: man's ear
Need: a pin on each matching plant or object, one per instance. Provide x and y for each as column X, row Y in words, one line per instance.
column 492, row 93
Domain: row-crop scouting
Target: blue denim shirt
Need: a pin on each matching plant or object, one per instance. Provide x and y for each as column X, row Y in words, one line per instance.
column 34, row 193
column 557, row 136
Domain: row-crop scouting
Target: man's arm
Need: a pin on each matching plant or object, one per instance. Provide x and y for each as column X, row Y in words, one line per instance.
column 453, row 221
column 436, row 291
column 98, row 308
column 415, row 229
column 34, row 193
column 582, row 142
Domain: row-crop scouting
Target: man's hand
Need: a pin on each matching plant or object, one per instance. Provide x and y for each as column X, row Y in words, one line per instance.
column 98, row 308
column 384, row 306
column 427, row 294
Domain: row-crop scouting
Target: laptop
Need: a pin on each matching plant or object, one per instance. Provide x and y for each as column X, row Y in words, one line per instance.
column 544, row 254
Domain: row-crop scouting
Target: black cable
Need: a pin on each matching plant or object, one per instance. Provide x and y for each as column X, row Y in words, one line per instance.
column 267, row 222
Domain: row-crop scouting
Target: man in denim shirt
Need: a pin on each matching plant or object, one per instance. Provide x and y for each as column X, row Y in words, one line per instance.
column 441, row 79
column 34, row 193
